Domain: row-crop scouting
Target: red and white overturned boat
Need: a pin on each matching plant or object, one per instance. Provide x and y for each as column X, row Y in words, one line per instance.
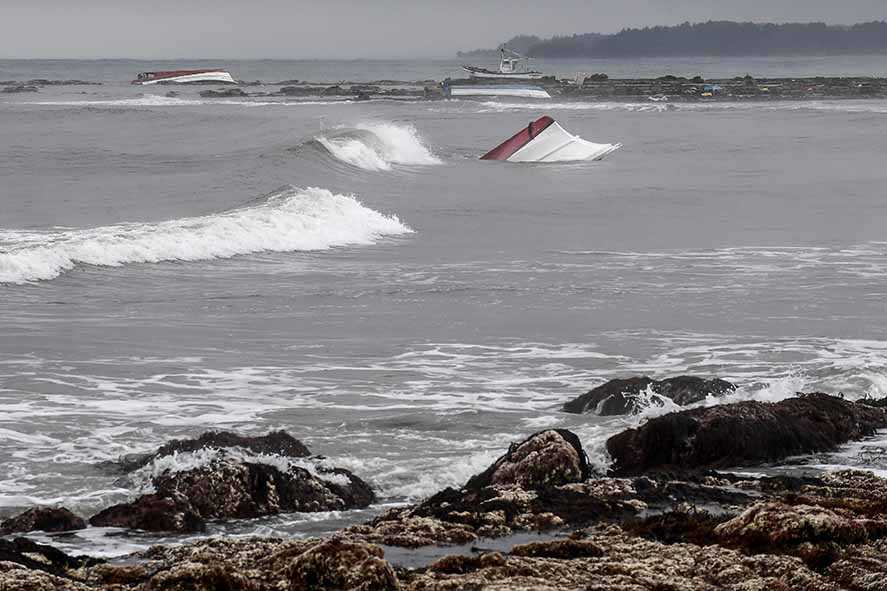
column 211, row 75
column 544, row 140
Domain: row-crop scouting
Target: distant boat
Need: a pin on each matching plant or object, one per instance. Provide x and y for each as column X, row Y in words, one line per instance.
column 544, row 140
column 211, row 75
column 515, row 90
column 509, row 68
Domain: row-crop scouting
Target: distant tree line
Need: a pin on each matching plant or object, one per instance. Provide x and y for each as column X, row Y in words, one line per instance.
column 718, row 38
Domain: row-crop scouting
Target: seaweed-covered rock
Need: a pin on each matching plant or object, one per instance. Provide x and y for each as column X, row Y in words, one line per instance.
column 229, row 488
column 341, row 564
column 48, row 519
column 743, row 433
column 619, row 397
column 547, row 458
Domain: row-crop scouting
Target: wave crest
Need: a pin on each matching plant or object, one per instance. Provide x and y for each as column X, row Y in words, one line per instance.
column 291, row 219
column 378, row 146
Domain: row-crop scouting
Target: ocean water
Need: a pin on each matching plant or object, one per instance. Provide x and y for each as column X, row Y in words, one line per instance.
column 352, row 273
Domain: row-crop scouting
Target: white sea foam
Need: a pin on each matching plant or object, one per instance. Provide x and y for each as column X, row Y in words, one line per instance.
column 288, row 220
column 378, row 146
column 140, row 481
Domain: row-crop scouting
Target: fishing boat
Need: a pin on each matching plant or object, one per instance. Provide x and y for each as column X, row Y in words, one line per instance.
column 211, row 75
column 544, row 140
column 510, row 68
column 513, row 90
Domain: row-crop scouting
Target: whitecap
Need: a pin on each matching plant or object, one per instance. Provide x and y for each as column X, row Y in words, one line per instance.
column 289, row 220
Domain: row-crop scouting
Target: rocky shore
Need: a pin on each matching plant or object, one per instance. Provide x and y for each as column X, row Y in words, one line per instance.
column 537, row 518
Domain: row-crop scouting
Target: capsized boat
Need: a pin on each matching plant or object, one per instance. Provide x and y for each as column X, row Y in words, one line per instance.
column 544, row 140
column 515, row 90
column 210, row 75
column 509, row 68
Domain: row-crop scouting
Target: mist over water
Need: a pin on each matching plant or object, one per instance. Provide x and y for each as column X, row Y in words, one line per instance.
column 350, row 272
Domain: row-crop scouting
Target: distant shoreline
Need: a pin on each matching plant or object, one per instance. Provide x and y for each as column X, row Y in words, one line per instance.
column 708, row 39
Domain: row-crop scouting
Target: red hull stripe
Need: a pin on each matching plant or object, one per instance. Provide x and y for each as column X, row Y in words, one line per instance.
column 504, row 150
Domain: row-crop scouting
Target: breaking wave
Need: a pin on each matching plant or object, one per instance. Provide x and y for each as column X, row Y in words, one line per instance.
column 378, row 146
column 289, row 219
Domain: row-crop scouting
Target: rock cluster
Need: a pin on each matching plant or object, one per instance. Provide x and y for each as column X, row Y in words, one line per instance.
column 646, row 532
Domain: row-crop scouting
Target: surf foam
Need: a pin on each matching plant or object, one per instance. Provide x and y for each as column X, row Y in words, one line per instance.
column 378, row 146
column 290, row 219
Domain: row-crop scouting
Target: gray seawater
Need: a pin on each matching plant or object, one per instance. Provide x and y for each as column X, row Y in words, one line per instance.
column 350, row 272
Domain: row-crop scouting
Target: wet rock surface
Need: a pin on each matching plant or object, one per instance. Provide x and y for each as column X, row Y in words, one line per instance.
column 232, row 486
column 744, row 433
column 48, row 519
column 619, row 397
column 228, row 489
column 667, row 529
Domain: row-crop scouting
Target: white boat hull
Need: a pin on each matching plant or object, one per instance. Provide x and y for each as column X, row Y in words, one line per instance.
column 505, row 76
column 219, row 76
column 556, row 144
column 514, row 91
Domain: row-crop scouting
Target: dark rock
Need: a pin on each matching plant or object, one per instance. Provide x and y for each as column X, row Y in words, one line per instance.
column 744, row 433
column 40, row 556
column 678, row 527
column 152, row 513
column 561, row 549
column 274, row 443
column 340, row 564
column 227, row 489
column 20, row 88
column 226, row 93
column 547, row 458
column 876, row 402
column 618, row 397
column 298, row 91
column 44, row 519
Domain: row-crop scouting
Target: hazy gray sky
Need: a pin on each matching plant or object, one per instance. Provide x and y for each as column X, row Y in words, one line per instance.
column 356, row 29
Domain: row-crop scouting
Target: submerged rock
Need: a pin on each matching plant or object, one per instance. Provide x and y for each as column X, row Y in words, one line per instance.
column 744, row 433
column 20, row 88
column 619, row 397
column 47, row 519
column 278, row 443
column 226, row 93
